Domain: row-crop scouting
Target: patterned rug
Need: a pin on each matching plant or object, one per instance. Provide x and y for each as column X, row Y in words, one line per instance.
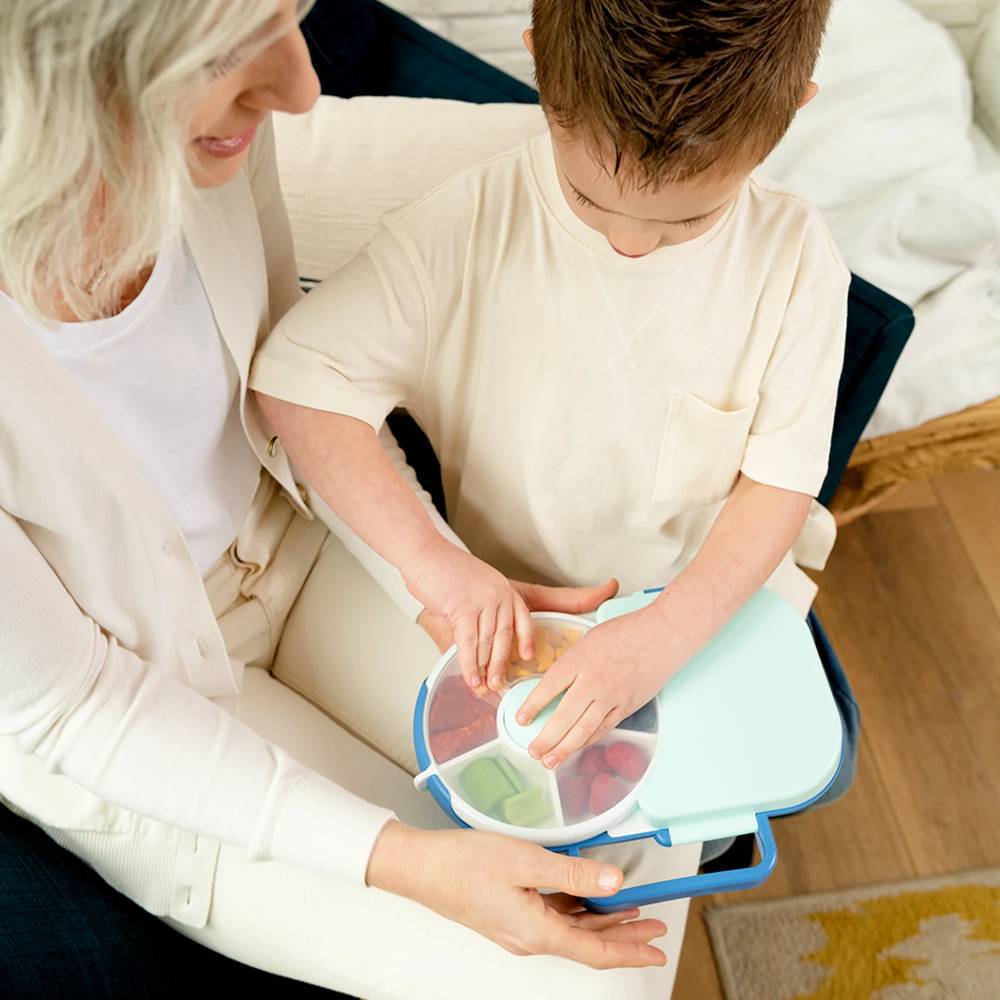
column 924, row 939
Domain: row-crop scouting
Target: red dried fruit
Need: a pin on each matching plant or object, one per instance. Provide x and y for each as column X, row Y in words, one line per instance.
column 626, row 760
column 605, row 791
column 454, row 705
column 592, row 762
column 574, row 793
column 452, row 742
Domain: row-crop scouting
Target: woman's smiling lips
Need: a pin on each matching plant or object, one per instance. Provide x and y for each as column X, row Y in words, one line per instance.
column 224, row 148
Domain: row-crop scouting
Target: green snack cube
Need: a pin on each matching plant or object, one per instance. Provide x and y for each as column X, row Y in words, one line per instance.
column 527, row 808
column 512, row 774
column 486, row 784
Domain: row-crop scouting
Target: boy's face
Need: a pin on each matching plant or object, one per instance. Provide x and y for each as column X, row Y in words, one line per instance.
column 635, row 222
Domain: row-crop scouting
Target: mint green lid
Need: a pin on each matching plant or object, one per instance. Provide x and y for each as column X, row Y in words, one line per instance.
column 748, row 726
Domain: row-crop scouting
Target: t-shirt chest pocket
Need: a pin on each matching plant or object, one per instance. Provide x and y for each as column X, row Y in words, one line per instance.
column 701, row 451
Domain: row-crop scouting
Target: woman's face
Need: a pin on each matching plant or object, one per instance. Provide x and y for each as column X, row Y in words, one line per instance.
column 240, row 93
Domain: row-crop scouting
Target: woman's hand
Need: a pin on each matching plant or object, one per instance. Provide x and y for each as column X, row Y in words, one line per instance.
column 490, row 884
column 569, row 600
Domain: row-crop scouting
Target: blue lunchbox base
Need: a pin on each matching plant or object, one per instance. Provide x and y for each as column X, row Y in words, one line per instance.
column 762, row 686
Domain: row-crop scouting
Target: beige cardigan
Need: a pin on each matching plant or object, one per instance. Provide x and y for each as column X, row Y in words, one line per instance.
column 104, row 617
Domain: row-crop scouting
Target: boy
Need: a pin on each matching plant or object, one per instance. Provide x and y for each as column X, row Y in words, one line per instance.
column 624, row 348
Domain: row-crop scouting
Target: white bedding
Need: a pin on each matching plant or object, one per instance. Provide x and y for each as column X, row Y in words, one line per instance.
column 911, row 190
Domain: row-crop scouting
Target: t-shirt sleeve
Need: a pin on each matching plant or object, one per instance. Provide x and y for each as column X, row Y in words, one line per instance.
column 355, row 345
column 789, row 443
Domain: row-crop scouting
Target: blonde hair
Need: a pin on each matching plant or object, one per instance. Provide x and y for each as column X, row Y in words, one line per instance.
column 97, row 92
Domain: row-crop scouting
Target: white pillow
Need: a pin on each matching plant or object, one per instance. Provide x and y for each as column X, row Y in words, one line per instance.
column 887, row 151
column 348, row 162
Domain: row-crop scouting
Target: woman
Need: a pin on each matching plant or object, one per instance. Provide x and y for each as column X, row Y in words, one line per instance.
column 154, row 540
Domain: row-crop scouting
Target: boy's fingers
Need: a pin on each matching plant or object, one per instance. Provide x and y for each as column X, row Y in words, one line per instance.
column 592, row 725
column 554, row 681
column 467, row 640
column 502, row 638
column 484, row 644
column 570, row 709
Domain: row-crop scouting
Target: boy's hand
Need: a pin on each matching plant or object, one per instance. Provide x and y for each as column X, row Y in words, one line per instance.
column 480, row 605
column 612, row 671
column 568, row 600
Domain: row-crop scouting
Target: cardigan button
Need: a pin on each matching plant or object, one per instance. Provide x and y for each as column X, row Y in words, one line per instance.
column 167, row 551
column 199, row 645
column 272, row 447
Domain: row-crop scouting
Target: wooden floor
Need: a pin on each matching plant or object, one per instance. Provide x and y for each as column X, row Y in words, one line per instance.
column 911, row 602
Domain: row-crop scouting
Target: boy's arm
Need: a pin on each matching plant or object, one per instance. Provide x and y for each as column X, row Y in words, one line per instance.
column 625, row 662
column 345, row 463
column 381, row 570
column 754, row 530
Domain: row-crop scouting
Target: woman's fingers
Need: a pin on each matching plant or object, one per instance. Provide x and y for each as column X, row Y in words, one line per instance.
column 571, row 600
column 599, row 950
column 594, row 723
column 500, row 650
column 600, row 921
column 441, row 633
column 642, row 931
column 578, row 877
column 572, row 907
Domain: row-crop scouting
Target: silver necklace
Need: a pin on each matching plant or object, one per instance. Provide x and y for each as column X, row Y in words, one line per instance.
column 97, row 278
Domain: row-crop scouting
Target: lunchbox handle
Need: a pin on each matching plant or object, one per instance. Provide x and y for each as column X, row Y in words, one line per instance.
column 692, row 885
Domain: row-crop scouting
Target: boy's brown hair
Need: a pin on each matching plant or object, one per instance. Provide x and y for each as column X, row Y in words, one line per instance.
column 676, row 87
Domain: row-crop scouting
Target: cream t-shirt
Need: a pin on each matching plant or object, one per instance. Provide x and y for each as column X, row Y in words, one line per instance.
column 591, row 412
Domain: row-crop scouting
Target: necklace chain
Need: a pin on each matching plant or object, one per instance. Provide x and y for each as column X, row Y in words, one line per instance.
column 97, row 278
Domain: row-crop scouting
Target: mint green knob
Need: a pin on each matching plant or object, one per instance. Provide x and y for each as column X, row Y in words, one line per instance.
column 516, row 735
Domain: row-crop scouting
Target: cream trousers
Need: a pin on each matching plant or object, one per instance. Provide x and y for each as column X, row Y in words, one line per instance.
column 339, row 697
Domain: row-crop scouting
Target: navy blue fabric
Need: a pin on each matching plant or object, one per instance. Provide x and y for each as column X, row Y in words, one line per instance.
column 363, row 47
column 850, row 714
column 65, row 934
column 878, row 327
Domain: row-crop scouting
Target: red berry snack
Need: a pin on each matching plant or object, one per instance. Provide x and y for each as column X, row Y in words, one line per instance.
column 627, row 760
column 605, row 791
column 593, row 762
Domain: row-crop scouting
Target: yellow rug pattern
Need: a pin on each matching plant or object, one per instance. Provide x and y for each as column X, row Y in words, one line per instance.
column 924, row 939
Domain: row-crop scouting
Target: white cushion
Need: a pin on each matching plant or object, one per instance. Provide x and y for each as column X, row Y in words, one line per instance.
column 986, row 74
column 887, row 151
column 348, row 162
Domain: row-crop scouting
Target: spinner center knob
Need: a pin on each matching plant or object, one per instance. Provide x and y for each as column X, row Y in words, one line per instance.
column 511, row 732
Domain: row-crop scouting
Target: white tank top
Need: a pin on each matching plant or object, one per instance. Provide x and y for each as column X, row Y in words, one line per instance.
column 161, row 374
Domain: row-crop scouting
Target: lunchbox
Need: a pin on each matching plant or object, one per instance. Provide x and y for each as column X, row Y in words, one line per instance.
column 746, row 731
